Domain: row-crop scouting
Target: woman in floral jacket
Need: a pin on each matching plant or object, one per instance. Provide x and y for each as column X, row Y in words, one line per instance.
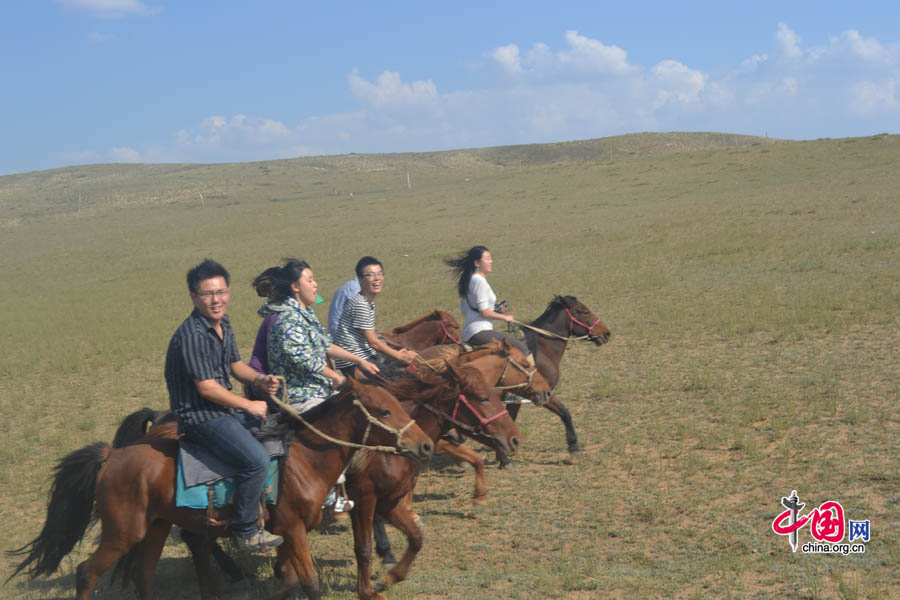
column 297, row 344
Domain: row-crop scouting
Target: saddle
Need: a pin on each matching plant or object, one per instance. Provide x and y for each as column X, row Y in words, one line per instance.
column 204, row 481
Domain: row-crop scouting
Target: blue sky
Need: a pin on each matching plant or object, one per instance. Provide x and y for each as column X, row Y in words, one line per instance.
column 95, row 81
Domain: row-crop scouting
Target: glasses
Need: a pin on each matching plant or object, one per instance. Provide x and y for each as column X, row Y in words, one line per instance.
column 373, row 274
column 218, row 294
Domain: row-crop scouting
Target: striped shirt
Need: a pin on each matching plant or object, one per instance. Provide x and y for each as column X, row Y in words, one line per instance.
column 197, row 353
column 358, row 315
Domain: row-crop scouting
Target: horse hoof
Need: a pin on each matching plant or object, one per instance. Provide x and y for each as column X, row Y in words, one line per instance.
column 574, row 448
column 388, row 559
column 479, row 502
column 419, row 521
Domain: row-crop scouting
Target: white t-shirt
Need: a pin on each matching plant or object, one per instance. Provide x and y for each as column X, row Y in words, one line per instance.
column 480, row 297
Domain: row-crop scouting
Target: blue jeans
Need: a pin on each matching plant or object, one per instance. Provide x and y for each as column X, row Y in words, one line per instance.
column 228, row 438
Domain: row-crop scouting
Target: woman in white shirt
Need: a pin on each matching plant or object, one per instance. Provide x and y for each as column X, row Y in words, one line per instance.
column 478, row 303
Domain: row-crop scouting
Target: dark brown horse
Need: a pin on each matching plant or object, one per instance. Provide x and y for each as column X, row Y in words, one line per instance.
column 133, row 489
column 437, row 327
column 565, row 319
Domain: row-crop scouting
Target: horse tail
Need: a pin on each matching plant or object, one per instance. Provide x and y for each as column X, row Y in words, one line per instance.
column 134, row 426
column 69, row 512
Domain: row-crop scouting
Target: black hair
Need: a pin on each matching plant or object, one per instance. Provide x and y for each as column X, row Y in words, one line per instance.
column 275, row 282
column 464, row 265
column 364, row 262
column 206, row 270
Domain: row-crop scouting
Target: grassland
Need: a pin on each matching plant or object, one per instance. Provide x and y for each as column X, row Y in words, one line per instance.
column 752, row 287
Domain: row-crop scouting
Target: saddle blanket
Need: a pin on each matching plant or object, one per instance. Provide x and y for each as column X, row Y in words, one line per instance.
column 199, row 469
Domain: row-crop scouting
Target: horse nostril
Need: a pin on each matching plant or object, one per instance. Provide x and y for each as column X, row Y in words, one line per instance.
column 514, row 442
column 428, row 448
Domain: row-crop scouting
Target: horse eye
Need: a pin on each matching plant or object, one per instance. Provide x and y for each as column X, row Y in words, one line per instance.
column 385, row 414
column 484, row 400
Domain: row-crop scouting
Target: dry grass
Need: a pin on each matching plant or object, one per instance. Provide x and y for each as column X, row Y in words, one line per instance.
column 751, row 287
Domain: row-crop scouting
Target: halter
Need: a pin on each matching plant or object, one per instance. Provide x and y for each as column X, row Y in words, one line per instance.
column 461, row 399
column 573, row 321
column 288, row 409
column 529, row 375
column 447, row 335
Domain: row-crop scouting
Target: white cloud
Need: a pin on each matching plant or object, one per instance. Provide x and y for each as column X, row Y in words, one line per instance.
column 508, row 59
column 585, row 89
column 583, row 55
column 788, row 42
column 110, row 9
column 124, row 155
column 389, row 91
column 678, row 83
column 870, row 98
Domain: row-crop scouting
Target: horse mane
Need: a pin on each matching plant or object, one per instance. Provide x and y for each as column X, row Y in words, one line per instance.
column 425, row 386
column 553, row 306
column 434, row 315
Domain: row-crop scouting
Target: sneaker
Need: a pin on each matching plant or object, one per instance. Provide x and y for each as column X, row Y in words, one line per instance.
column 260, row 541
column 342, row 505
column 513, row 399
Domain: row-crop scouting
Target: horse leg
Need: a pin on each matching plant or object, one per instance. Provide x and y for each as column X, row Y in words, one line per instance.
column 194, row 542
column 201, row 547
column 151, row 548
column 107, row 553
column 382, row 543
column 466, row 454
column 402, row 518
column 296, row 563
column 361, row 518
column 559, row 409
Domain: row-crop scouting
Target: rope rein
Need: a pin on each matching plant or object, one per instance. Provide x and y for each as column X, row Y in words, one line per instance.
column 289, row 410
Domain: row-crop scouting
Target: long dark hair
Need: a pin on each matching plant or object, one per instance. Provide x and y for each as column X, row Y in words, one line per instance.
column 464, row 265
column 274, row 283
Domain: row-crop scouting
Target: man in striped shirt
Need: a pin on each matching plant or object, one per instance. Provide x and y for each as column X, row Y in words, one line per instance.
column 200, row 361
column 356, row 328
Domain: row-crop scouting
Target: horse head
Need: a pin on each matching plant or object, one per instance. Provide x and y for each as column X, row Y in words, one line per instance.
column 582, row 321
column 389, row 423
column 480, row 406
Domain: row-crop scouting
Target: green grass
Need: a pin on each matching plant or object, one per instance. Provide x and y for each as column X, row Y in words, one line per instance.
column 750, row 285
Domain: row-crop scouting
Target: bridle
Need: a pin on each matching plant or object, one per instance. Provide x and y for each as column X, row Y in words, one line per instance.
column 572, row 322
column 461, row 400
column 446, row 335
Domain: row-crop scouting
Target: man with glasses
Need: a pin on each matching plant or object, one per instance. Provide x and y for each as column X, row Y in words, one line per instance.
column 356, row 327
column 200, row 361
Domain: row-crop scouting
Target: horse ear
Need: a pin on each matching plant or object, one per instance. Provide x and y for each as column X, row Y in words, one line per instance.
column 452, row 369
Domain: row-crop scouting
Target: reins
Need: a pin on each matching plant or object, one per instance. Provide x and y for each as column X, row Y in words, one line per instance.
column 572, row 322
column 289, row 410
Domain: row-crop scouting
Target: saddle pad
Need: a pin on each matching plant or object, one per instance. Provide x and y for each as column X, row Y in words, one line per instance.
column 196, row 496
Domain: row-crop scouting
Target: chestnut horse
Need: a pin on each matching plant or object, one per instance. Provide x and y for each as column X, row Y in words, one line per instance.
column 432, row 393
column 437, row 327
column 459, row 396
column 507, row 369
column 133, row 489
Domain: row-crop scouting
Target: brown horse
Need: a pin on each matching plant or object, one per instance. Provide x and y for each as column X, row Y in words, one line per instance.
column 437, row 327
column 566, row 318
column 134, row 491
column 430, row 397
column 459, row 396
column 507, row 369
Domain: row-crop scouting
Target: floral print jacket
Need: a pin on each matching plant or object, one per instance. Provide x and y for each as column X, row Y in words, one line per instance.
column 296, row 348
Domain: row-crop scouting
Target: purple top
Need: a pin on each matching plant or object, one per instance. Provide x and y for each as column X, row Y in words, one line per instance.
column 259, row 360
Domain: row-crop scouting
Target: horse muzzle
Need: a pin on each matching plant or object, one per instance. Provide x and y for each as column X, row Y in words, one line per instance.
column 421, row 452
